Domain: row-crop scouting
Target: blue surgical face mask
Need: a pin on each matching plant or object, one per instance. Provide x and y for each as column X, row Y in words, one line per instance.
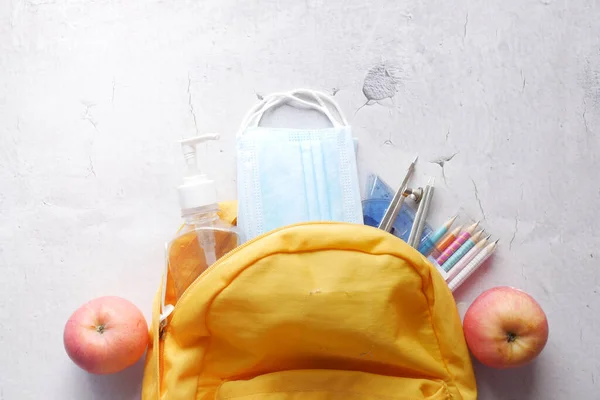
column 286, row 176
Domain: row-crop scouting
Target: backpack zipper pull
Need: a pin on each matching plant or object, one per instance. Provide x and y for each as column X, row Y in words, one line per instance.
column 162, row 322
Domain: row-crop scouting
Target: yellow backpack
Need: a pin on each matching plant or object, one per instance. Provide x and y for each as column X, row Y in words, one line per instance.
column 312, row 311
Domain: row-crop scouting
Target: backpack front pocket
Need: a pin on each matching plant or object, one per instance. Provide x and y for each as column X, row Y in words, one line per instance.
column 343, row 311
column 331, row 385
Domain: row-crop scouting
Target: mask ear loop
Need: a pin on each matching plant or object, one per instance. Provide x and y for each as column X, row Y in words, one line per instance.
column 255, row 114
column 256, row 109
column 320, row 96
column 283, row 98
column 278, row 98
column 271, row 101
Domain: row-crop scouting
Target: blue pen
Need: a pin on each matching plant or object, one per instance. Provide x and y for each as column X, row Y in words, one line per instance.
column 429, row 242
column 462, row 250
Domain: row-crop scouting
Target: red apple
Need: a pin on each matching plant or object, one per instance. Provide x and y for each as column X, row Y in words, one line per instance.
column 106, row 335
column 505, row 327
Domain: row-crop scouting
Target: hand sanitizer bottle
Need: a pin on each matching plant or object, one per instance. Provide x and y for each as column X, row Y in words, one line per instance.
column 204, row 237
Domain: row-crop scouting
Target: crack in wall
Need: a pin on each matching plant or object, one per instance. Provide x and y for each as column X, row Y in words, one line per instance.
column 442, row 162
column 88, row 117
column 478, row 199
column 585, row 123
column 190, row 103
column 516, row 230
column 91, row 168
column 33, row 4
column 112, row 97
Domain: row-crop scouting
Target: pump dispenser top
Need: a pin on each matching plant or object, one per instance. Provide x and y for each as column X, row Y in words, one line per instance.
column 197, row 189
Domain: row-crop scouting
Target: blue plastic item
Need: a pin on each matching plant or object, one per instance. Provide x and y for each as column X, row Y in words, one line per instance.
column 379, row 196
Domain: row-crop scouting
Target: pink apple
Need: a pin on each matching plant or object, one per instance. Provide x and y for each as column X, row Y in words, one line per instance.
column 505, row 327
column 106, row 335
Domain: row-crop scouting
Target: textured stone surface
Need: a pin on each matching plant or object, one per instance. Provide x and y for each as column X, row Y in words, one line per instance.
column 500, row 99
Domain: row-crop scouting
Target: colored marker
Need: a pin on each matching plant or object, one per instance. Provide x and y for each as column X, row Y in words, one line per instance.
column 446, row 241
column 429, row 242
column 467, row 259
column 462, row 251
column 473, row 266
column 459, row 241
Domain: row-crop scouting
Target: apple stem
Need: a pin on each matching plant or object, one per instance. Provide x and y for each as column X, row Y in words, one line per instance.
column 511, row 337
column 100, row 328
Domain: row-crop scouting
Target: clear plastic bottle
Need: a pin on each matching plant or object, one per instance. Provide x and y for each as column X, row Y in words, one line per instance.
column 204, row 238
column 199, row 243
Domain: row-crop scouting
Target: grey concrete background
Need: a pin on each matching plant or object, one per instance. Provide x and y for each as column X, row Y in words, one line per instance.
column 94, row 94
